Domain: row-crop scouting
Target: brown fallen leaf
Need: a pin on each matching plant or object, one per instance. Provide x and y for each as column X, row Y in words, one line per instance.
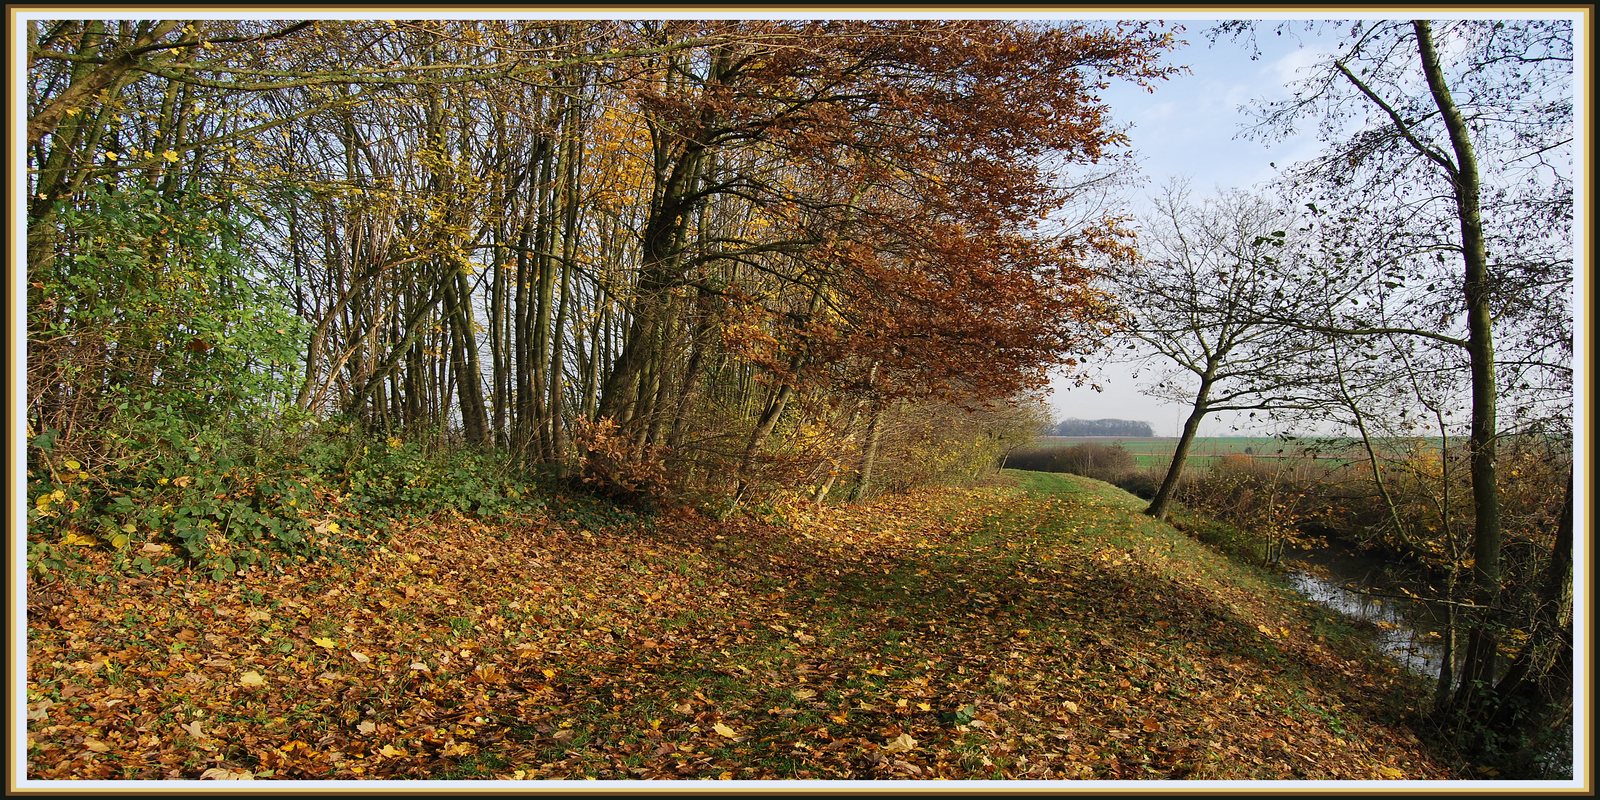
column 97, row 745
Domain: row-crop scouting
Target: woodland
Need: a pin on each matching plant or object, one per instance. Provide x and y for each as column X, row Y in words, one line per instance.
column 534, row 399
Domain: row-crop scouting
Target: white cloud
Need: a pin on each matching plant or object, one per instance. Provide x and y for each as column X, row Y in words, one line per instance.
column 1295, row 65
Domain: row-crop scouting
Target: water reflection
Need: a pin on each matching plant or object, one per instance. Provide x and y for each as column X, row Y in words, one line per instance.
column 1362, row 588
column 1416, row 650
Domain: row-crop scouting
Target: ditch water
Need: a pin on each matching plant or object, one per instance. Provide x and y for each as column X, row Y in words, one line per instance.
column 1368, row 589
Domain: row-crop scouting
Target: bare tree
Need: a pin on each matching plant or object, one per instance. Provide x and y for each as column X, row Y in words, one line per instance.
column 1198, row 307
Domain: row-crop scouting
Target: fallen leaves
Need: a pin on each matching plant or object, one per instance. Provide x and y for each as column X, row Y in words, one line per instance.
column 886, row 641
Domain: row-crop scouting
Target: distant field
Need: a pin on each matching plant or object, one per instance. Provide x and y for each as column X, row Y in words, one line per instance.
column 1156, row 451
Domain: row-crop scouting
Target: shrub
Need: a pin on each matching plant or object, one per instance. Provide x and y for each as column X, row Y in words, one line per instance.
column 1107, row 462
column 1142, row 484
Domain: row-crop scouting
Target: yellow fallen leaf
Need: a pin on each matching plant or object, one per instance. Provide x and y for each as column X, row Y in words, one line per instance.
column 1071, row 707
column 548, row 673
column 96, row 745
column 392, row 751
column 1391, row 773
column 724, row 730
column 170, row 155
column 367, row 726
column 359, row 656
column 252, row 679
column 924, row 707
column 225, row 774
column 900, row 744
column 804, row 694
column 324, row 642
column 72, row 465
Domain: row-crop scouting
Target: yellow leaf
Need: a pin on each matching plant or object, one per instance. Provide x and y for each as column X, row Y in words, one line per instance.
column 77, row 539
column 72, row 465
column 359, row 656
column 924, row 707
column 392, row 751
column 96, row 745
column 170, row 156
column 900, row 744
column 324, row 642
column 129, row 528
column 724, row 730
column 119, row 541
column 367, row 726
column 225, row 774
column 252, row 678
column 804, row 694
column 1071, row 707
column 1391, row 773
column 549, row 673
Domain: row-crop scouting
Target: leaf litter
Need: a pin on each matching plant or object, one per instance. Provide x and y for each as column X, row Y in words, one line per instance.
column 952, row 634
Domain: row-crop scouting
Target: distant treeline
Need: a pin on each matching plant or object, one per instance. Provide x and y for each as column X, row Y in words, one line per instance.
column 1101, row 427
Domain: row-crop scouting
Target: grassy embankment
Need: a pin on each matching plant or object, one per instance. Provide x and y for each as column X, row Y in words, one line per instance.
column 1036, row 628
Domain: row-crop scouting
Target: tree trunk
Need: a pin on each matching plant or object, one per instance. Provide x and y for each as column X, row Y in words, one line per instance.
column 869, row 456
column 1169, row 484
column 1482, row 642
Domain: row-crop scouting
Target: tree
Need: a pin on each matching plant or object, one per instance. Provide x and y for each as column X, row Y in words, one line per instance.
column 1468, row 157
column 1195, row 304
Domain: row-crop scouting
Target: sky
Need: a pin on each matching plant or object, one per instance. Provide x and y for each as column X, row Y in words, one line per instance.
column 1191, row 127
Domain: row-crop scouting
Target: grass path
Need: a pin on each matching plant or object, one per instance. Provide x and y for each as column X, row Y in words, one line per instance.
column 1036, row 628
